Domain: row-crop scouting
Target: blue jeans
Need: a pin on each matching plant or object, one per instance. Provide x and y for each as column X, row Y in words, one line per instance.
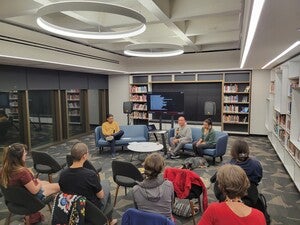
column 117, row 136
column 107, row 199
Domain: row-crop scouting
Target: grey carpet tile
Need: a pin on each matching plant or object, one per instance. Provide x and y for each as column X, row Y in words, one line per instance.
column 282, row 196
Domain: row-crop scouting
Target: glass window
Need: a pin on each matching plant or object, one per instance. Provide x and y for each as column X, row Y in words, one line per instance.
column 41, row 116
column 9, row 118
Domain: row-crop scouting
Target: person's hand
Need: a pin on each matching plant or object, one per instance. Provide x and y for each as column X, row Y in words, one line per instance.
column 175, row 141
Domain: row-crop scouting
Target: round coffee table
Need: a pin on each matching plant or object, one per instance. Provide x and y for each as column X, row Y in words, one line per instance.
column 144, row 147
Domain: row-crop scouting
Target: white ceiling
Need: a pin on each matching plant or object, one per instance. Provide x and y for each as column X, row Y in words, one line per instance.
column 198, row 25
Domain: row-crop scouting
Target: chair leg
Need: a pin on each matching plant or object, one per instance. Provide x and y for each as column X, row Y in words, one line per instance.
column 50, row 207
column 221, row 158
column 125, row 191
column 192, row 211
column 37, row 175
column 7, row 222
column 116, row 195
column 50, row 179
column 214, row 161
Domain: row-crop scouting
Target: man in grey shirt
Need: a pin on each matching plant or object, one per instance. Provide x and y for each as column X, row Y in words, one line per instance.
column 182, row 136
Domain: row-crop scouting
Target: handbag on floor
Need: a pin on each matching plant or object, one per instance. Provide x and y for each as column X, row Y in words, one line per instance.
column 182, row 208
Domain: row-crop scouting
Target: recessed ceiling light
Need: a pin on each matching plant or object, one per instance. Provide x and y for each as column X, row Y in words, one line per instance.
column 255, row 14
column 282, row 54
column 153, row 50
column 94, row 7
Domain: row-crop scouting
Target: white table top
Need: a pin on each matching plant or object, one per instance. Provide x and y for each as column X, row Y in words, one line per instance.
column 144, row 147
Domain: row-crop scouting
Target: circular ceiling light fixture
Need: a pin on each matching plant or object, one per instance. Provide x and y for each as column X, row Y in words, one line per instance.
column 153, row 50
column 89, row 6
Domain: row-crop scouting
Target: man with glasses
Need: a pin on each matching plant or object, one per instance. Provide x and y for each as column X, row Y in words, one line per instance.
column 78, row 180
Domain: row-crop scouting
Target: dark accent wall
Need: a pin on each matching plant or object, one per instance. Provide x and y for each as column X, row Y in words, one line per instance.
column 24, row 78
column 195, row 94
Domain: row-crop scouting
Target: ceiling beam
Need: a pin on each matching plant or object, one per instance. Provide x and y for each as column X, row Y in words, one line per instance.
column 162, row 12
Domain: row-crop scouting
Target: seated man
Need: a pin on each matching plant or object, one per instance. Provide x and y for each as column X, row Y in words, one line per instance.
column 182, row 136
column 78, row 180
column 112, row 132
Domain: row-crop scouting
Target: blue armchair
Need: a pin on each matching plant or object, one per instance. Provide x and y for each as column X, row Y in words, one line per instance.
column 221, row 146
column 132, row 133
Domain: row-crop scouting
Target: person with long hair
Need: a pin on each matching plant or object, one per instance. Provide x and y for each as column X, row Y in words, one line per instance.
column 15, row 173
column 207, row 139
column 233, row 183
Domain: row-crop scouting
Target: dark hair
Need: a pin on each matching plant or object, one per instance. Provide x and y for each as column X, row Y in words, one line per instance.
column 78, row 150
column 208, row 121
column 109, row 115
column 154, row 164
column 240, row 150
column 233, row 181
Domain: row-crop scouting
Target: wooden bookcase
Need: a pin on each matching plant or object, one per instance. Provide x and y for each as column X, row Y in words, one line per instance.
column 236, row 103
column 73, row 105
column 285, row 117
column 138, row 96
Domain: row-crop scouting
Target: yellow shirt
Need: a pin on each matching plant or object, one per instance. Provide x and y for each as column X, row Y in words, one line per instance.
column 110, row 128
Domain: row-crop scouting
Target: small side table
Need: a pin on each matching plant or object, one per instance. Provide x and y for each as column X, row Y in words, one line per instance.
column 163, row 138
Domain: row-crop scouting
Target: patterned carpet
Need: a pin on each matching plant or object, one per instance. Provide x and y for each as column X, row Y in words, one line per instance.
column 282, row 196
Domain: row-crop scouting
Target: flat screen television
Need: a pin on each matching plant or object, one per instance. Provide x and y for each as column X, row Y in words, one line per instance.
column 4, row 100
column 166, row 102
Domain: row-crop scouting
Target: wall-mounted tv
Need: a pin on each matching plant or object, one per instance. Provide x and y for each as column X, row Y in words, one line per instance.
column 166, row 102
column 4, row 100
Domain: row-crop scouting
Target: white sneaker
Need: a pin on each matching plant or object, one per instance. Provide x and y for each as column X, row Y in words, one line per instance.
column 109, row 138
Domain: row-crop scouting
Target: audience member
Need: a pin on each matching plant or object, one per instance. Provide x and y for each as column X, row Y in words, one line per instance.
column 154, row 194
column 3, row 116
column 15, row 173
column 78, row 180
column 182, row 136
column 112, row 132
column 240, row 157
column 233, row 183
column 207, row 139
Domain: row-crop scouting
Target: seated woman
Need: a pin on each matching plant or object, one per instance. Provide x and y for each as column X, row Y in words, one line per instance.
column 154, row 194
column 240, row 157
column 207, row 139
column 233, row 183
column 15, row 173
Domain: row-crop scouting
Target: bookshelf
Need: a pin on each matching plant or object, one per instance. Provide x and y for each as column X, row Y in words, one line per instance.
column 13, row 105
column 138, row 96
column 236, row 103
column 284, row 117
column 73, row 105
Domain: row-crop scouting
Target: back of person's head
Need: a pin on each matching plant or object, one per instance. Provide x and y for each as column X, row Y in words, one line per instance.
column 78, row 150
column 240, row 150
column 154, row 164
column 12, row 161
column 233, row 181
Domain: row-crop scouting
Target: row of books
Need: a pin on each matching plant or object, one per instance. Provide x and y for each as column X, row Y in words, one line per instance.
column 280, row 119
column 13, row 96
column 293, row 84
column 138, row 89
column 137, row 106
column 236, row 109
column 13, row 103
column 272, row 87
column 142, row 98
column 139, row 115
column 235, row 88
column 289, row 107
column 73, row 105
column 235, row 118
column 73, row 97
column 73, row 91
column 235, row 98
column 74, row 112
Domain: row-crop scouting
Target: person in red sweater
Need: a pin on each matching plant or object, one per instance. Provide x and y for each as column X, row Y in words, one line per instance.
column 233, row 182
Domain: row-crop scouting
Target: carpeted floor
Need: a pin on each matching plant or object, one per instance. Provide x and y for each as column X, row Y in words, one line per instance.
column 282, row 196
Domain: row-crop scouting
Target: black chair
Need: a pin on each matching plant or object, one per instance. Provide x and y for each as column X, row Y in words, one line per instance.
column 125, row 174
column 87, row 164
column 43, row 163
column 94, row 216
column 20, row 201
